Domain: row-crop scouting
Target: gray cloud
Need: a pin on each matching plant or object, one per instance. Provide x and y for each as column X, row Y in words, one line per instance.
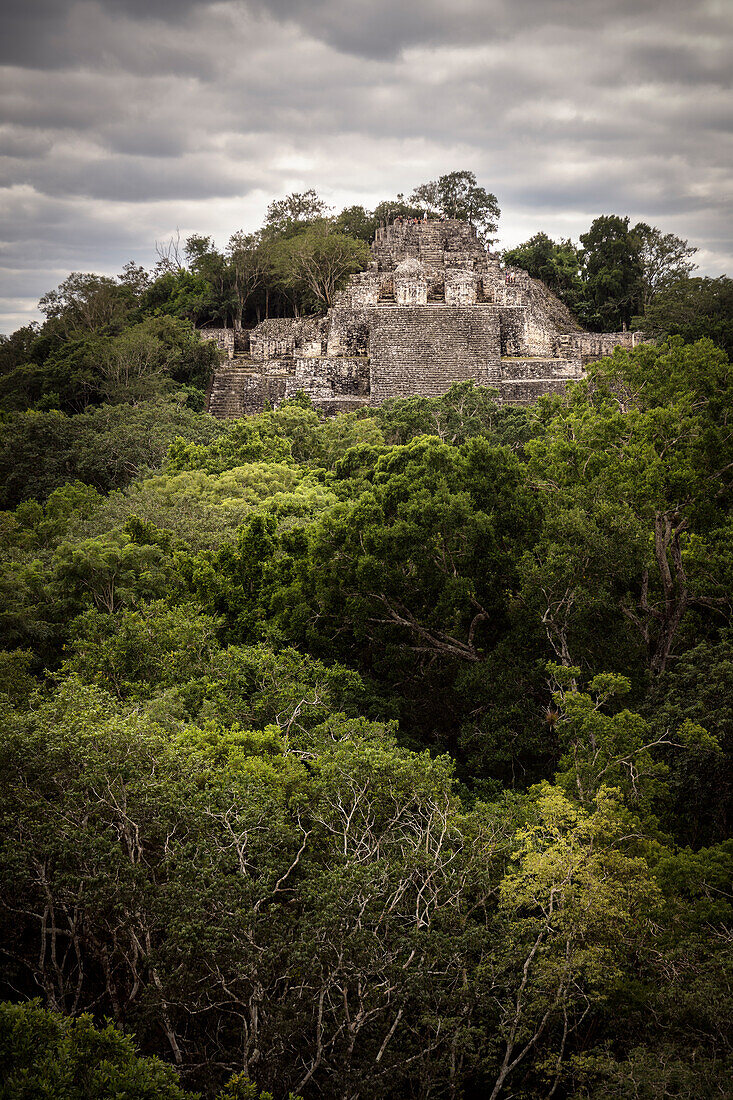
column 124, row 119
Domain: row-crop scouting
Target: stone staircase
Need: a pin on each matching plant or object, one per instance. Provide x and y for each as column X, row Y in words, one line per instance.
column 231, row 382
column 431, row 246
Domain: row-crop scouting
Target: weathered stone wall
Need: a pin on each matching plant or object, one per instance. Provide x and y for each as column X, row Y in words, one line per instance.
column 411, row 290
column 280, row 336
column 424, row 349
column 595, row 345
column 238, row 391
column 517, row 370
column 348, row 332
column 460, row 287
column 525, row 333
column 345, row 376
column 222, row 337
column 526, row 391
column 363, row 290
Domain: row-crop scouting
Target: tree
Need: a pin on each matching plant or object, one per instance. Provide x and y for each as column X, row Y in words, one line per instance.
column 463, row 411
column 618, row 749
column 135, row 279
column 574, row 576
column 648, row 437
column 149, row 358
column 386, row 211
column 136, row 364
column 579, row 904
column 458, row 195
column 17, row 348
column 613, row 270
column 291, row 214
column 262, row 901
column 556, row 263
column 133, row 651
column 85, row 302
column 427, row 197
column 418, row 564
column 107, row 447
column 665, row 259
column 109, row 572
column 48, row 1055
column 314, row 264
column 693, row 309
column 355, row 221
column 698, row 808
column 250, row 264
column 207, row 263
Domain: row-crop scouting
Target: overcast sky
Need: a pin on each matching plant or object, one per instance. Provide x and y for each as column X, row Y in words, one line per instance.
column 123, row 120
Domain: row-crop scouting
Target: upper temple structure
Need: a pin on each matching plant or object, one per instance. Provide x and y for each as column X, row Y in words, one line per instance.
column 433, row 308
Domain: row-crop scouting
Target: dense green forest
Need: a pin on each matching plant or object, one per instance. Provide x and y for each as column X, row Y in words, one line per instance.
column 379, row 756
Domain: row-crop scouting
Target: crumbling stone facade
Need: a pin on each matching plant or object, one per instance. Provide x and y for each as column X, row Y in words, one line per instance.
column 433, row 308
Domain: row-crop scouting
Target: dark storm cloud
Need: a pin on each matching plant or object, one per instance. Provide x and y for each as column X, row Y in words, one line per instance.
column 123, row 119
column 48, row 34
column 128, row 179
column 382, row 28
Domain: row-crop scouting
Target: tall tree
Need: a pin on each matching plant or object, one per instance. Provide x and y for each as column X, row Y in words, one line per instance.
column 84, row 303
column 458, row 195
column 249, row 266
column 613, row 271
column 290, row 215
column 390, row 209
column 664, row 260
column 557, row 263
column 641, row 450
column 694, row 308
column 355, row 221
column 315, row 263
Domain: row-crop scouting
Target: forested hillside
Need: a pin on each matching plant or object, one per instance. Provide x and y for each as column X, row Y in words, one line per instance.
column 379, row 756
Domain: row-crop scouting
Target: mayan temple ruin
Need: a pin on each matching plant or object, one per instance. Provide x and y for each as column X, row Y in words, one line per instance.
column 434, row 307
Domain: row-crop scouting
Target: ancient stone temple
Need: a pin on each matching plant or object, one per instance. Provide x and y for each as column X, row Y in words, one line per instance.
column 433, row 308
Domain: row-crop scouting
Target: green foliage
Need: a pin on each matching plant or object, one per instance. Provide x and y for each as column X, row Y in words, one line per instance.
column 239, row 1087
column 228, row 848
column 236, row 581
column 665, row 259
column 355, row 221
column 698, row 689
column 644, row 440
column 557, row 263
column 314, row 263
column 108, row 573
column 378, row 755
column 601, row 750
column 621, row 270
column 693, row 309
column 85, row 303
column 106, row 447
column 465, row 410
column 288, row 216
column 182, row 294
column 149, row 358
column 17, row 682
column 613, row 271
column 458, row 195
column 52, row 1057
column 130, row 652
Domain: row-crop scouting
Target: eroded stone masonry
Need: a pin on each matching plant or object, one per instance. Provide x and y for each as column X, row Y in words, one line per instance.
column 433, row 308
